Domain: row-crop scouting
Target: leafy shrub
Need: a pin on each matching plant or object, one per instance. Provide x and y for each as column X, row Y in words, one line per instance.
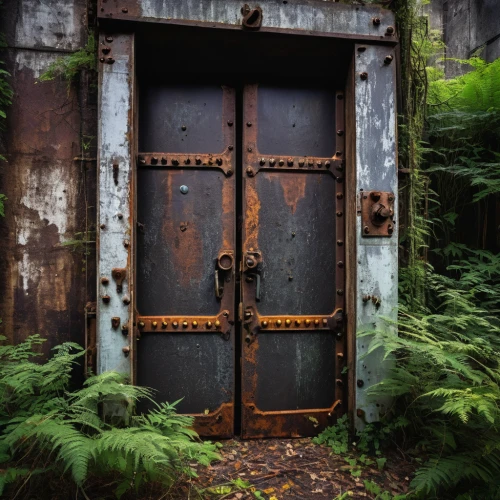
column 46, row 429
column 446, row 378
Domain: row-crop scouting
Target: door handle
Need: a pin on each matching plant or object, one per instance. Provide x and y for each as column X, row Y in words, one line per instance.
column 252, row 265
column 219, row 290
column 224, row 265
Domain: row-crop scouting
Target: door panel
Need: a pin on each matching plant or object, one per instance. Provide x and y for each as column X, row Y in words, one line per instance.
column 296, row 121
column 185, row 251
column 296, row 235
column 292, row 261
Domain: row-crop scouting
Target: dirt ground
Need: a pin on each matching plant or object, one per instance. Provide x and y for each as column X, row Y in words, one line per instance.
column 293, row 468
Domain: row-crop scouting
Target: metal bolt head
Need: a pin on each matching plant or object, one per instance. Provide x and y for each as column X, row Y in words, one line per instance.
column 290, row 162
column 319, row 164
column 360, row 383
column 327, row 164
column 340, row 214
column 175, row 324
column 105, row 280
column 154, row 324
column 272, row 162
column 340, row 133
column 229, row 172
column 363, row 75
column 307, row 322
column 197, row 160
column 325, row 321
column 316, row 322
column 141, row 324
column 124, row 10
column 340, row 292
column 154, row 160
column 288, row 322
column 109, row 39
column 184, row 189
column 389, row 30
column 126, row 300
column 175, row 162
column 184, row 324
column 218, row 161
column 184, row 127
column 262, row 161
column 278, row 322
column 264, row 324
column 249, row 124
column 103, row 226
column 106, row 299
column 281, row 163
column 230, row 123
column 163, row 160
column 340, row 264
column 187, row 161
column 217, row 324
column 340, row 243
column 376, row 21
column 301, row 163
column 164, row 324
column 209, row 324
column 366, row 229
column 340, row 196
column 195, row 324
column 340, row 96
column 249, row 149
column 298, row 322
column 388, row 59
column 250, row 171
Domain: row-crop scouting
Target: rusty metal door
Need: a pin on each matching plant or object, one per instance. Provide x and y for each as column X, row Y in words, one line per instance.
column 292, row 259
column 186, row 250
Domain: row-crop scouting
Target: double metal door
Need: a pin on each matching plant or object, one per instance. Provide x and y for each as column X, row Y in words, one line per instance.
column 240, row 274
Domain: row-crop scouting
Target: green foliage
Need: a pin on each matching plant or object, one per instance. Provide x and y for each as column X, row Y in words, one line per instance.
column 336, row 437
column 45, row 429
column 68, row 67
column 447, row 374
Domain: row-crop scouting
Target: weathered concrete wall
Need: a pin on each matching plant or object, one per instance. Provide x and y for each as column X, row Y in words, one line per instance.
column 467, row 25
column 42, row 281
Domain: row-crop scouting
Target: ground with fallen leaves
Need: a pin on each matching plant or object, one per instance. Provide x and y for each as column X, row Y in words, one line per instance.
column 294, row 468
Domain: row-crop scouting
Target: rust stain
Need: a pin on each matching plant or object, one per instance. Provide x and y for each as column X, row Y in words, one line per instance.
column 228, row 214
column 294, row 189
column 252, row 210
column 186, row 250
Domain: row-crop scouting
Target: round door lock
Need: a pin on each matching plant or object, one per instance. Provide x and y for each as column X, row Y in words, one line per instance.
column 251, row 261
column 225, row 261
column 380, row 213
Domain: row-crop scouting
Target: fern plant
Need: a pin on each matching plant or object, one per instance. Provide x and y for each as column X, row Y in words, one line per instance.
column 46, row 429
column 446, row 378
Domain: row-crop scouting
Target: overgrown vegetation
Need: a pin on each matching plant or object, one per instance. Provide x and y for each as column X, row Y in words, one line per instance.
column 69, row 67
column 49, row 433
column 446, row 375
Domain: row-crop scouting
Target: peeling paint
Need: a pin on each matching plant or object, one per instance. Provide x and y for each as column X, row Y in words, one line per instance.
column 377, row 258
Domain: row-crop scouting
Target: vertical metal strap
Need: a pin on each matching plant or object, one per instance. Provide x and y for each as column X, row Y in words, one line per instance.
column 115, row 203
column 377, row 258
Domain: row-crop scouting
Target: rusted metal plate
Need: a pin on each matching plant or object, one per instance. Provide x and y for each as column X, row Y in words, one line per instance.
column 377, row 213
column 293, row 269
column 186, row 249
column 308, row 17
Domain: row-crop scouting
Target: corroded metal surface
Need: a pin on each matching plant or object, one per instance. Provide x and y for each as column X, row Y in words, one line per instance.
column 377, row 257
column 377, row 213
column 42, row 286
column 115, row 205
column 293, row 264
column 186, row 250
column 308, row 17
